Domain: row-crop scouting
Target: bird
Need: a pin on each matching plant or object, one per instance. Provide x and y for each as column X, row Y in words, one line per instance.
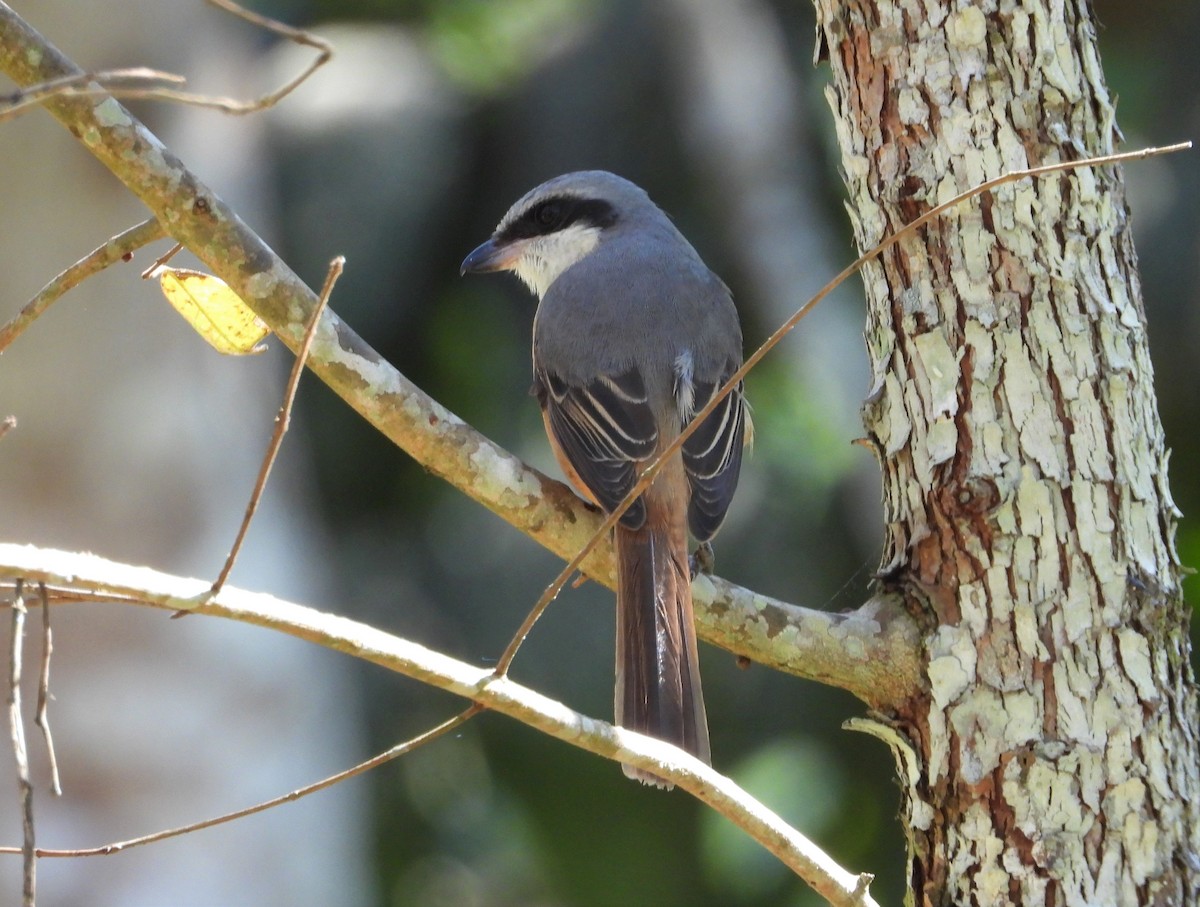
column 633, row 335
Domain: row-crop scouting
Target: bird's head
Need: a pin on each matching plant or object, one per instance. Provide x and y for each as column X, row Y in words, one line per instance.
column 556, row 225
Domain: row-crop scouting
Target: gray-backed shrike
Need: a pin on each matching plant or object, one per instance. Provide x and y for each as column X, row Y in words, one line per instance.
column 633, row 335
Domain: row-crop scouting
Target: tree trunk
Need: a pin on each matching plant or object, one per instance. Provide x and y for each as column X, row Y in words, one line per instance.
column 1053, row 759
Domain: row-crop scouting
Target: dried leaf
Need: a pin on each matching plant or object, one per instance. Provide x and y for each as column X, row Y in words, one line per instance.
column 214, row 311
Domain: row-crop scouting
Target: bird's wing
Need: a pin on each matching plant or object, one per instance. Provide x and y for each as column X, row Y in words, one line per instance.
column 606, row 430
column 712, row 455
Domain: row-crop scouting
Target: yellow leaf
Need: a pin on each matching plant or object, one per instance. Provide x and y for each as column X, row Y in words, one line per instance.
column 214, row 311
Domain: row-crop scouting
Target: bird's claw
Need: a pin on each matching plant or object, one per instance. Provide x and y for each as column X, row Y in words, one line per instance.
column 702, row 560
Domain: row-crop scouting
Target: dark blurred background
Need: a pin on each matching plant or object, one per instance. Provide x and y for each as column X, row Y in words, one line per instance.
column 402, row 154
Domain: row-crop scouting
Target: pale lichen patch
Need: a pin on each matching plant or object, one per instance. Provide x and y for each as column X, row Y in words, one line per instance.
column 895, row 426
column 1071, row 715
column 979, row 854
column 1035, row 506
column 1029, row 408
column 979, row 722
column 1089, row 442
column 940, row 366
column 1026, row 632
column 263, row 283
column 1077, row 604
column 948, row 678
column 911, row 107
column 1135, row 660
column 499, row 473
column 109, row 113
column 942, row 442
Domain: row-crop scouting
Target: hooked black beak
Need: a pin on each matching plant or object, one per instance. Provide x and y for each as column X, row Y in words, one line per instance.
column 491, row 256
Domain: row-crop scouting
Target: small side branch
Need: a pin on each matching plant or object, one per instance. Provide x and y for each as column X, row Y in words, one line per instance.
column 137, row 80
column 143, row 83
column 42, row 720
column 282, row 420
column 288, row 33
column 17, row 735
column 119, row 248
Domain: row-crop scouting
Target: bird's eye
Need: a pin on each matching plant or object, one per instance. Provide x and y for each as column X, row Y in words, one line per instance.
column 548, row 214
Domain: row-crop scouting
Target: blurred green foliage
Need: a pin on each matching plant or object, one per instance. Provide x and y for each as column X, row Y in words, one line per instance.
column 488, row 45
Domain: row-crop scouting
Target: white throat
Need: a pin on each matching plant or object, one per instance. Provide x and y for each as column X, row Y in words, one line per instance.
column 544, row 258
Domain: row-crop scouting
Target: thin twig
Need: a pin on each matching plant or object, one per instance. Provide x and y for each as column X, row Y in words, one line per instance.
column 162, row 260
column 283, row 30
column 140, row 80
column 282, row 420
column 7, row 424
column 138, row 83
column 119, row 248
column 17, row 733
column 43, row 718
column 396, row 751
column 648, row 474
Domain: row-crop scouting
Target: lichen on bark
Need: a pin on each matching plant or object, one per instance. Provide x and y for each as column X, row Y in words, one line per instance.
column 1030, row 526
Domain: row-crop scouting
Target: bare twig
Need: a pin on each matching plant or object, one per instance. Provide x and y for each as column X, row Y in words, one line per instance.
column 289, row 33
column 162, row 260
column 7, row 424
column 62, row 570
column 282, row 420
column 396, row 751
column 42, row 720
column 17, row 734
column 119, row 248
column 648, row 474
column 142, row 83
column 136, row 81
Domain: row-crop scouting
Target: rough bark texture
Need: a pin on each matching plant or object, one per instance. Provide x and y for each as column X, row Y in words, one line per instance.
column 1053, row 759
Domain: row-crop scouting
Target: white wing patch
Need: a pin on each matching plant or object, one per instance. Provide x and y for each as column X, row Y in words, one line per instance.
column 685, row 388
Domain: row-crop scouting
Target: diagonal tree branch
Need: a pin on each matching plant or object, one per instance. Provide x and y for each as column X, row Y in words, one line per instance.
column 873, row 653
column 67, row 571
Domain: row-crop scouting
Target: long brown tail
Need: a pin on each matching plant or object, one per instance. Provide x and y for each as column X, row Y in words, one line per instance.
column 658, row 671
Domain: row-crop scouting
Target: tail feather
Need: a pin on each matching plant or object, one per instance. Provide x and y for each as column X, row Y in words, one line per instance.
column 658, row 689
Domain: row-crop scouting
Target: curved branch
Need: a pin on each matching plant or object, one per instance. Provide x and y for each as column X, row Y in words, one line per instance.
column 63, row 570
column 115, row 249
column 872, row 653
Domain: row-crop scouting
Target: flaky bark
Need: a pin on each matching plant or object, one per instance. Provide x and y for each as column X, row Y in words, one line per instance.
column 1053, row 758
